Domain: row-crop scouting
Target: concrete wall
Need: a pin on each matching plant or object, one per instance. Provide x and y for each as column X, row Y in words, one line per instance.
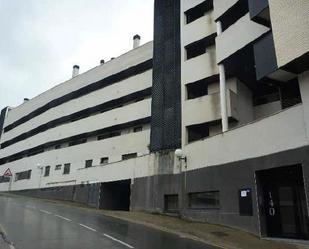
column 120, row 63
column 148, row 193
column 221, row 6
column 290, row 22
column 237, row 36
column 117, row 90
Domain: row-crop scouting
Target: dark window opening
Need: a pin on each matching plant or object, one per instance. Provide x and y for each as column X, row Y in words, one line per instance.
column 58, row 146
column 197, row 132
column 58, row 167
column 104, row 160
column 47, row 171
column 88, row 163
column 204, row 200
column 266, row 94
column 171, row 203
column 23, row 175
column 138, row 129
column 66, row 169
column 77, row 142
column 109, row 135
column 197, row 89
column 198, row 48
column 236, row 12
column 129, row 156
column 198, row 11
column 290, row 94
column 35, row 153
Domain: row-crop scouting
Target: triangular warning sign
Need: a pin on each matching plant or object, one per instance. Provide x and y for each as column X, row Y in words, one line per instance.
column 7, row 172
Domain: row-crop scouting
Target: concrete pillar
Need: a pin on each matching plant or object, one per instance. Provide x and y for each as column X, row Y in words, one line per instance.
column 224, row 117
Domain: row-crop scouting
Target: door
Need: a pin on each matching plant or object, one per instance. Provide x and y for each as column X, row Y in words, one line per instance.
column 284, row 202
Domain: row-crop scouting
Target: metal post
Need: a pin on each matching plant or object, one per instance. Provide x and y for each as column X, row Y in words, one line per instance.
column 224, row 117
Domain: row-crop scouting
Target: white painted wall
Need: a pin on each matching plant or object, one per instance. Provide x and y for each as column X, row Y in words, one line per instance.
column 237, row 36
column 121, row 115
column 221, row 6
column 280, row 132
column 133, row 84
column 120, row 63
column 113, row 148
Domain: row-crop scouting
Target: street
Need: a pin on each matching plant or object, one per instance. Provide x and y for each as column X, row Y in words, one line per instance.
column 40, row 224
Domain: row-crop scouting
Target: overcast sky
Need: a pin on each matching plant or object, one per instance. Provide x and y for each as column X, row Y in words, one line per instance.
column 42, row 39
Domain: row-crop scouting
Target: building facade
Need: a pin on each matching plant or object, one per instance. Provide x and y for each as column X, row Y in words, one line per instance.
column 225, row 84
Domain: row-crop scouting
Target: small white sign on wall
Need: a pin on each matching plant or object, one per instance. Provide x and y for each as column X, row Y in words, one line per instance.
column 243, row 193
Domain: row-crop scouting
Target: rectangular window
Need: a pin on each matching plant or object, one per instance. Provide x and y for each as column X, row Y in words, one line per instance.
column 104, row 160
column 171, row 203
column 198, row 48
column 23, row 175
column 77, row 142
column 58, row 167
column 197, row 132
column 47, row 171
column 58, row 146
column 88, row 163
column 109, row 135
column 197, row 89
column 138, row 129
column 198, row 11
column 66, row 169
column 129, row 156
column 204, row 200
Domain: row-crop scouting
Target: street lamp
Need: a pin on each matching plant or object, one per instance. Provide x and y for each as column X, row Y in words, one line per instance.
column 180, row 155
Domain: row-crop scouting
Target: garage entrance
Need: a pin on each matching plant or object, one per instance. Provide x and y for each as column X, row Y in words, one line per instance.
column 115, row 195
column 283, row 209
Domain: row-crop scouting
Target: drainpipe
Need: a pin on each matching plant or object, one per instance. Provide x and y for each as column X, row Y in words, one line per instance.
column 225, row 124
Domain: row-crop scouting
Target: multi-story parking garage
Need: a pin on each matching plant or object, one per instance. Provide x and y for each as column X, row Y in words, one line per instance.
column 225, row 83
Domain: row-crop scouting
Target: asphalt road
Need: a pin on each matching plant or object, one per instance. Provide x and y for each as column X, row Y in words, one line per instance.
column 39, row 224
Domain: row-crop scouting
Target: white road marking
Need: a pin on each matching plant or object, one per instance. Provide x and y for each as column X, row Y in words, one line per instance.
column 32, row 207
column 64, row 218
column 44, row 211
column 117, row 240
column 91, row 229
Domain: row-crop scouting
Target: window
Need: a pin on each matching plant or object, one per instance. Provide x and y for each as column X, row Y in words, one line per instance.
column 197, row 132
column 197, row 89
column 23, row 175
column 104, row 160
column 171, row 203
column 129, row 156
column 109, row 135
column 88, row 163
column 58, row 146
column 236, row 12
column 58, row 167
column 199, row 47
column 138, row 129
column 204, row 200
column 47, row 171
column 77, row 142
column 66, row 169
column 198, row 11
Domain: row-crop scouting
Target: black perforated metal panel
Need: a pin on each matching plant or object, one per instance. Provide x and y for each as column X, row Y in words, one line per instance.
column 166, row 94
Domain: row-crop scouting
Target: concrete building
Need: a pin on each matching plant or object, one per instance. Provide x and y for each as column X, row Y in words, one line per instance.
column 210, row 121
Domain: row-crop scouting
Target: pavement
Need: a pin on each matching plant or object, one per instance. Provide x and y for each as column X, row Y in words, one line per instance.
column 40, row 224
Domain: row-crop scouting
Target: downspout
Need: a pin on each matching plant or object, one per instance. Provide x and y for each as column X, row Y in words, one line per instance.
column 223, row 106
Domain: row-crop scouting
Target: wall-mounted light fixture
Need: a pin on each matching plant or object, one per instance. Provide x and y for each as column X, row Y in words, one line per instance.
column 180, row 155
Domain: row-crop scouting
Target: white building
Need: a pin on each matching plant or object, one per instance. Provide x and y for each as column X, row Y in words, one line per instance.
column 227, row 82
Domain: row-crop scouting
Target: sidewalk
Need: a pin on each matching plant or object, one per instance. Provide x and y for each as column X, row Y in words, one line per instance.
column 4, row 244
column 221, row 236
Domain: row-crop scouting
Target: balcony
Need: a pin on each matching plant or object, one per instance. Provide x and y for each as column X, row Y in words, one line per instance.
column 265, row 56
column 208, row 109
column 259, row 11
